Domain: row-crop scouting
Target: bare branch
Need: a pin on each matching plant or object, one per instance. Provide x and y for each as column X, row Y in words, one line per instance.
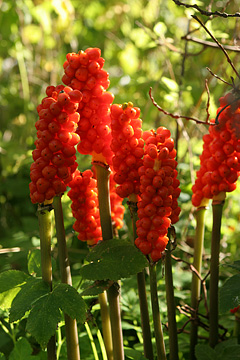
column 176, row 116
column 205, row 12
column 218, row 77
column 209, row 43
column 218, row 43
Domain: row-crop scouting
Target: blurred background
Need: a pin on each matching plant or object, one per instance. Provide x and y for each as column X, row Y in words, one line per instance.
column 145, row 44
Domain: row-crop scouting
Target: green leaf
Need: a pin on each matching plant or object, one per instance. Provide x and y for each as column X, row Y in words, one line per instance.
column 205, row 352
column 133, row 354
column 70, row 302
column 11, row 279
column 231, row 353
column 96, row 288
column 113, row 260
column 43, row 319
column 24, row 300
column 229, row 294
column 2, row 356
column 22, row 350
column 34, row 263
column 235, row 265
column 7, row 297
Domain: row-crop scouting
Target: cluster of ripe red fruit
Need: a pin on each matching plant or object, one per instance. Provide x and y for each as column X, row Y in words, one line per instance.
column 84, row 196
column 84, row 71
column 220, row 159
column 159, row 191
column 82, row 114
column 127, row 145
column 54, row 156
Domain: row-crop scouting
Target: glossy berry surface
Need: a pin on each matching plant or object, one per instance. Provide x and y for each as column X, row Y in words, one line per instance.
column 159, row 190
column 54, row 156
column 84, row 71
column 219, row 161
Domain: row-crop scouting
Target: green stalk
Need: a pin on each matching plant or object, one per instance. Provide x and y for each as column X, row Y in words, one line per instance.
column 94, row 349
column 196, row 283
column 106, row 325
column 70, row 324
column 103, row 175
column 45, row 233
column 237, row 326
column 145, row 323
column 217, row 207
column 171, row 307
column 161, row 352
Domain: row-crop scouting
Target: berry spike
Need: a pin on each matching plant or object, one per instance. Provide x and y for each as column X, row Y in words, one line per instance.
column 220, row 159
column 84, row 71
column 54, row 156
column 159, row 191
column 127, row 146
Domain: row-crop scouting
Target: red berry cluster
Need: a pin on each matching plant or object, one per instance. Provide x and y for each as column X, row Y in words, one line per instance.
column 117, row 209
column 84, row 196
column 159, row 191
column 220, row 159
column 234, row 310
column 84, row 71
column 127, row 145
column 54, row 156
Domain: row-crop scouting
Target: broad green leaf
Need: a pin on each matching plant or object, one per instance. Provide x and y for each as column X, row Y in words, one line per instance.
column 11, row 278
column 230, row 353
column 7, row 297
column 27, row 296
column 113, row 260
column 69, row 301
column 96, row 288
column 229, row 294
column 2, row 356
column 205, row 352
column 34, row 263
column 22, row 350
column 133, row 354
column 43, row 319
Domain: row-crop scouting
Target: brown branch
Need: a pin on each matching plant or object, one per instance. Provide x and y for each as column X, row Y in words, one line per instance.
column 218, row 77
column 210, row 43
column 176, row 116
column 205, row 12
column 218, row 43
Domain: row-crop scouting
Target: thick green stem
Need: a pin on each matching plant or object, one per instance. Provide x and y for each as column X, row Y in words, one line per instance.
column 103, row 175
column 171, row 307
column 214, row 272
column 161, row 352
column 70, row 324
column 196, row 282
column 146, row 331
column 237, row 327
column 45, row 233
column 106, row 325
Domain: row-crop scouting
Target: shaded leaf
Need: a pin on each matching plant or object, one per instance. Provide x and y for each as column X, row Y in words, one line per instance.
column 43, row 319
column 24, row 300
column 113, row 260
column 22, row 350
column 133, row 354
column 205, row 352
column 69, row 301
column 229, row 294
column 230, row 353
column 34, row 263
column 96, row 288
column 235, row 265
column 12, row 278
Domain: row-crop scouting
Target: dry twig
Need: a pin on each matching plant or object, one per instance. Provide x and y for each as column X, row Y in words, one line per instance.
column 205, row 12
column 176, row 116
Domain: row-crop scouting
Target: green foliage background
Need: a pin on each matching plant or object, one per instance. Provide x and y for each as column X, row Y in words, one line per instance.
column 142, row 44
